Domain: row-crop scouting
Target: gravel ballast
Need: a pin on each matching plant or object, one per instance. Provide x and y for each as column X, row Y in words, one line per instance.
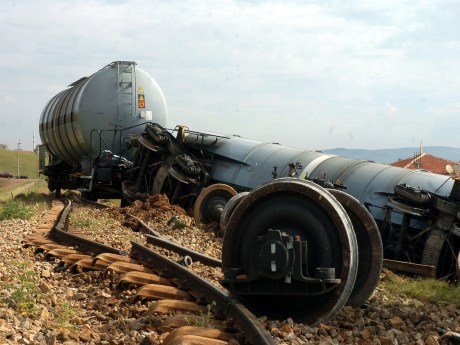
column 69, row 308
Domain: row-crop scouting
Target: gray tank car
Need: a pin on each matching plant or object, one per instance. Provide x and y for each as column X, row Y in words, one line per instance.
column 87, row 128
column 417, row 211
column 293, row 239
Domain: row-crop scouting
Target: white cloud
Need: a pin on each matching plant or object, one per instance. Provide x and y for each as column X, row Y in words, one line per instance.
column 234, row 65
column 391, row 108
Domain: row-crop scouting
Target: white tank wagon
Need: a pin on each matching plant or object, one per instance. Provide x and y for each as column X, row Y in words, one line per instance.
column 93, row 121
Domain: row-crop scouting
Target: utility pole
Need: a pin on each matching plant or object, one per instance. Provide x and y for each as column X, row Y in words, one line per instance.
column 19, row 149
column 33, row 150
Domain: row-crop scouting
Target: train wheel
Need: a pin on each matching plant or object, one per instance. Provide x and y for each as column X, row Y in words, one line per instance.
column 370, row 248
column 229, row 208
column 307, row 212
column 211, row 202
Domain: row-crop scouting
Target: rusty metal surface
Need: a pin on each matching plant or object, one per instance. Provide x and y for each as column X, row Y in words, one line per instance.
column 158, row 291
column 199, row 212
column 226, row 306
column 89, row 264
column 110, row 257
column 423, row 270
column 199, row 331
column 125, row 267
column 167, row 306
column 143, row 278
column 61, row 252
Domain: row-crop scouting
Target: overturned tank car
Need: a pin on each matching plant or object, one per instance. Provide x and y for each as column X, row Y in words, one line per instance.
column 304, row 232
column 417, row 211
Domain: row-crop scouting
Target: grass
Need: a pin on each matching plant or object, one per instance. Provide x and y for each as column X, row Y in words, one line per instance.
column 14, row 209
column 64, row 313
column 23, row 201
column 424, row 290
column 81, row 220
column 24, row 290
column 28, row 163
column 206, row 319
column 82, row 223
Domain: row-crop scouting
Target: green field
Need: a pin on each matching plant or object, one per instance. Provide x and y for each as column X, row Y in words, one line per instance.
column 28, row 163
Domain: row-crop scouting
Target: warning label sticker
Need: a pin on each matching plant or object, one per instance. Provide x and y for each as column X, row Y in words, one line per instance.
column 140, row 100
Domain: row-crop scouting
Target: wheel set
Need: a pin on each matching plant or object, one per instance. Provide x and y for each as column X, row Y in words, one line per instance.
column 295, row 249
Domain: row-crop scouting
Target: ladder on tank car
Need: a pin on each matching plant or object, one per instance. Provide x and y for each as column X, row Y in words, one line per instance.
column 126, row 83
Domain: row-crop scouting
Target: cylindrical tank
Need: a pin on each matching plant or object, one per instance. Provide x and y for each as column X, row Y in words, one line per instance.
column 249, row 163
column 116, row 100
column 371, row 182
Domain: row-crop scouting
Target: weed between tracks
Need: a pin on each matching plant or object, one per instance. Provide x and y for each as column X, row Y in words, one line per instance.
column 64, row 313
column 205, row 320
column 80, row 220
column 23, row 289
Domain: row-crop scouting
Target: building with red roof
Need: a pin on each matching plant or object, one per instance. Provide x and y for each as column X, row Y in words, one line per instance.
column 425, row 161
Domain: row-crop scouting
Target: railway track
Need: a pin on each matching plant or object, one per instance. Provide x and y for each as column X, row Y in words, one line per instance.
column 195, row 311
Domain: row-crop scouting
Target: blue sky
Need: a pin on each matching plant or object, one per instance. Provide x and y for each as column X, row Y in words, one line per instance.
column 311, row 74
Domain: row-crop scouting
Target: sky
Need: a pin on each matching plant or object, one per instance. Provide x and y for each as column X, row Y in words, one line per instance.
column 310, row 74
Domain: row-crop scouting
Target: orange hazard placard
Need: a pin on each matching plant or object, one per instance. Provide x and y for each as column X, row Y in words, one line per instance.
column 140, row 101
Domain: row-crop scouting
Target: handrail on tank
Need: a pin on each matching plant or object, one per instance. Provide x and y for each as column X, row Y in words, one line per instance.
column 102, row 142
column 101, row 139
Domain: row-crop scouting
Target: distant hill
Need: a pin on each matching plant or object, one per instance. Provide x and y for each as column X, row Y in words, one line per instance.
column 393, row 155
column 28, row 162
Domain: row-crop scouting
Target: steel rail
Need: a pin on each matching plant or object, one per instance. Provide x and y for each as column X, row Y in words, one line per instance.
column 226, row 306
column 60, row 234
column 157, row 239
column 423, row 270
column 196, row 256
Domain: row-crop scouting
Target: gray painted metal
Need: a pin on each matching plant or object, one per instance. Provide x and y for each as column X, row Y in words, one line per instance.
column 109, row 99
column 369, row 181
column 257, row 161
column 366, row 180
